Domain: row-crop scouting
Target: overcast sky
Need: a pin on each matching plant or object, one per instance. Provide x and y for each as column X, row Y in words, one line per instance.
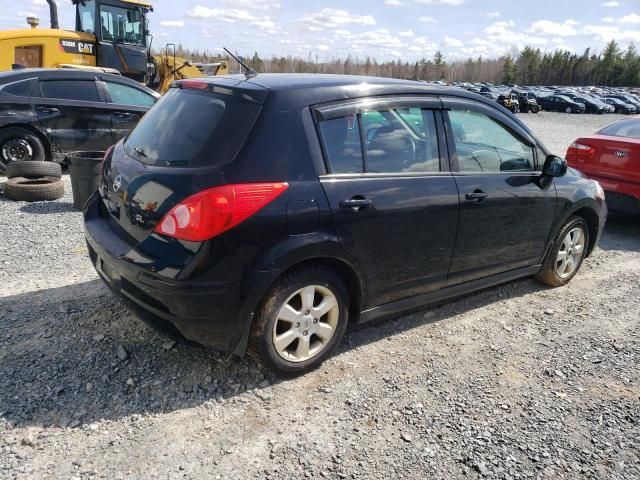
column 384, row 29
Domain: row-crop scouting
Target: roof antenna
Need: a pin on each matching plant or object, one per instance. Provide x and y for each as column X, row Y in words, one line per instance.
column 249, row 72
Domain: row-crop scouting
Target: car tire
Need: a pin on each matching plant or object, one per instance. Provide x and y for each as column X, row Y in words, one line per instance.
column 20, row 144
column 568, row 110
column 564, row 259
column 34, row 189
column 287, row 314
column 33, row 169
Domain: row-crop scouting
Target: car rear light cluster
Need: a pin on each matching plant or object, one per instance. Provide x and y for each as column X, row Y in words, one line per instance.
column 583, row 148
column 213, row 211
column 194, row 84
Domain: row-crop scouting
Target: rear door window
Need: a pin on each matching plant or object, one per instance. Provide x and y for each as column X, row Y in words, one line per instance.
column 21, row 88
column 341, row 138
column 191, row 128
column 395, row 140
column 83, row 90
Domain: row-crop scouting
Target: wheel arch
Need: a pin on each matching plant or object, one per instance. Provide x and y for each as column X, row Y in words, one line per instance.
column 593, row 224
column 336, row 261
column 588, row 210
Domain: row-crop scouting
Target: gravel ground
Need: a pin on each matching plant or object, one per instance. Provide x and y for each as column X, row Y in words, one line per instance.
column 518, row 381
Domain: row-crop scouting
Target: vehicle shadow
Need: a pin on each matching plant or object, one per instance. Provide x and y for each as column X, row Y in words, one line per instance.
column 48, row 207
column 621, row 233
column 73, row 355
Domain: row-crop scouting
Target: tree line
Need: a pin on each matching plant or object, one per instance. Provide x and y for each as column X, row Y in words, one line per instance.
column 530, row 66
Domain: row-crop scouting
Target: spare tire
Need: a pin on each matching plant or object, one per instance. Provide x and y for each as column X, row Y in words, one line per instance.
column 31, row 169
column 34, row 189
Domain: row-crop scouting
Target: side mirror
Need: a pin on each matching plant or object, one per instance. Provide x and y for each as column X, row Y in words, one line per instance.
column 554, row 166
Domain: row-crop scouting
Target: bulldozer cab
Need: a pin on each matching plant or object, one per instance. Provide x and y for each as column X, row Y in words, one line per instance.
column 121, row 31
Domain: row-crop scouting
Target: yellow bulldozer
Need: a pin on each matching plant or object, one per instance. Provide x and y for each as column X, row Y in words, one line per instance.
column 110, row 36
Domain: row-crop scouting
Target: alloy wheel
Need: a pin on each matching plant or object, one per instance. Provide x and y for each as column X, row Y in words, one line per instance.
column 571, row 252
column 306, row 323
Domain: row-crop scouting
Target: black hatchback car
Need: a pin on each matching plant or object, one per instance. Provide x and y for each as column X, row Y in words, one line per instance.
column 270, row 212
column 46, row 113
column 561, row 103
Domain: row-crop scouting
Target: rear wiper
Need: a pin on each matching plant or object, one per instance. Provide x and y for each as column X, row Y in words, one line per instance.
column 140, row 151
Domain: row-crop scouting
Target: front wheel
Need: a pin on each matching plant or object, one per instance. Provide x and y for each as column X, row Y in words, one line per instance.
column 301, row 321
column 569, row 110
column 566, row 254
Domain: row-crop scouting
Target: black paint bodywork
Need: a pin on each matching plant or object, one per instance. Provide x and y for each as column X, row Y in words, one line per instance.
column 69, row 125
column 419, row 241
column 561, row 104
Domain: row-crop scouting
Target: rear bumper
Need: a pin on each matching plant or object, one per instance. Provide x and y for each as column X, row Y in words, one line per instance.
column 621, row 196
column 216, row 314
column 622, row 203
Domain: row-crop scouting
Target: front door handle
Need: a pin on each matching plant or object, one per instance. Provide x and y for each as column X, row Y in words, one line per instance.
column 356, row 203
column 47, row 110
column 476, row 196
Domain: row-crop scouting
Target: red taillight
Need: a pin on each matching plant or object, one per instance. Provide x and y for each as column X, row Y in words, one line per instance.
column 582, row 148
column 209, row 213
column 194, row 84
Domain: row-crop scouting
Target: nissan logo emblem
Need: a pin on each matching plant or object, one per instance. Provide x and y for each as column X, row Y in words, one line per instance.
column 117, row 183
column 622, row 154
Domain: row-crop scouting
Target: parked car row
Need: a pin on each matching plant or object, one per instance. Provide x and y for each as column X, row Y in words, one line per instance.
column 564, row 99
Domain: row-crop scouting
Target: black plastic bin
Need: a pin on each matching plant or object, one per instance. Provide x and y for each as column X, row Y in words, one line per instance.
column 84, row 169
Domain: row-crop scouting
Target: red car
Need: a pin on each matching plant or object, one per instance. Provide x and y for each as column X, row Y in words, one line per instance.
column 612, row 157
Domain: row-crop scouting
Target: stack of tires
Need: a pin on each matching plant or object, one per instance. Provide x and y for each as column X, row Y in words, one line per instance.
column 32, row 181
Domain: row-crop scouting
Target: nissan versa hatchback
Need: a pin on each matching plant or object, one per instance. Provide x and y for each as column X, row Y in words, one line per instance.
column 268, row 213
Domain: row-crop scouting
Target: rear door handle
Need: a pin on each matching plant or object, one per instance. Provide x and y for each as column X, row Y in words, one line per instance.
column 356, row 204
column 47, row 110
column 476, row 196
column 123, row 114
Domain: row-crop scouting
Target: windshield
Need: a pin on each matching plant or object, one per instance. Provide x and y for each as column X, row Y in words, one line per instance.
column 121, row 25
column 624, row 128
column 190, row 128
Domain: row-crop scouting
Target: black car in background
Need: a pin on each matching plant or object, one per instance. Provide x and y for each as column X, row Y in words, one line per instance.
column 590, row 105
column 628, row 99
column 267, row 213
column 560, row 103
column 46, row 113
column 620, row 106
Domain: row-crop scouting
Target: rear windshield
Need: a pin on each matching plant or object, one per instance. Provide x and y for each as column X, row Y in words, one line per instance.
column 624, row 128
column 191, row 128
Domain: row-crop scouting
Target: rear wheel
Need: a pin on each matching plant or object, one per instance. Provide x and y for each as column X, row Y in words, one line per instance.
column 567, row 253
column 301, row 321
column 18, row 145
column 568, row 110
